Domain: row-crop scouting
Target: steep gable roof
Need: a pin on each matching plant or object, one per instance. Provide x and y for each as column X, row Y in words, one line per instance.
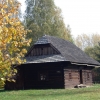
column 68, row 50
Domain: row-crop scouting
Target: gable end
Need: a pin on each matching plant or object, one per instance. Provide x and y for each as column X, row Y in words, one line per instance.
column 43, row 49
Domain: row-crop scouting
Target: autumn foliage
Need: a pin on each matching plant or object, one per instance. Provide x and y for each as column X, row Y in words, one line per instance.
column 12, row 39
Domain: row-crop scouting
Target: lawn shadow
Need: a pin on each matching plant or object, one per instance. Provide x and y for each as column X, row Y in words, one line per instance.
column 2, row 90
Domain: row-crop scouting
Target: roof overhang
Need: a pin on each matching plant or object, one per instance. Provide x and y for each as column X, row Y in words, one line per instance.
column 96, row 66
column 45, row 59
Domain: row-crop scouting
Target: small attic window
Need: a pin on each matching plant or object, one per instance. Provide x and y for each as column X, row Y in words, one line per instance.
column 70, row 76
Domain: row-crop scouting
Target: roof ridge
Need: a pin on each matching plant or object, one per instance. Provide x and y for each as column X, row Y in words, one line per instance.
column 42, row 40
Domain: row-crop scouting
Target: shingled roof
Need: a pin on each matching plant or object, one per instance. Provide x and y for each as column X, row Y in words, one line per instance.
column 68, row 50
column 45, row 58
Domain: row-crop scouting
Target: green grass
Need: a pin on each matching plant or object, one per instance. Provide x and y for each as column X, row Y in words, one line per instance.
column 90, row 93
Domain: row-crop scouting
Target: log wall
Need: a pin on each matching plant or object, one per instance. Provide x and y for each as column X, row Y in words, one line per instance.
column 87, row 77
column 50, row 75
column 43, row 78
column 71, row 78
column 76, row 76
column 38, row 76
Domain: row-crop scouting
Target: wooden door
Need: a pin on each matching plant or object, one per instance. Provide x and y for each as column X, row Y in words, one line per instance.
column 81, row 76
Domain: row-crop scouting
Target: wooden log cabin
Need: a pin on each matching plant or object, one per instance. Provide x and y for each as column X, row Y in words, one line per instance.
column 54, row 63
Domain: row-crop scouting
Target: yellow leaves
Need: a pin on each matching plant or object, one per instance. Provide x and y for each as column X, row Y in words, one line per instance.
column 2, row 11
column 9, row 14
column 28, row 44
column 5, row 29
column 7, row 56
column 7, row 19
column 8, row 79
column 13, row 80
column 0, row 29
column 0, row 5
column 24, row 51
column 11, row 1
column 12, row 39
column 15, row 71
column 17, row 23
column 0, row 23
column 2, row 83
column 15, row 43
column 2, row 79
column 30, row 40
column 5, row 6
column 18, row 60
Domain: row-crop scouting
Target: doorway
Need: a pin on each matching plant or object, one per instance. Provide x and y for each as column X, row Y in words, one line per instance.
column 81, row 77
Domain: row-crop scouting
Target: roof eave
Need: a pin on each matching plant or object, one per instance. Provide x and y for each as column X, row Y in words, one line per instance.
column 92, row 65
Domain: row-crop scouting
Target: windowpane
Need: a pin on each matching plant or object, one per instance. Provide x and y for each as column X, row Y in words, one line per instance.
column 43, row 76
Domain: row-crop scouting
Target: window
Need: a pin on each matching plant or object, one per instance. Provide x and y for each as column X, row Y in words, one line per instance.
column 43, row 76
column 70, row 76
column 58, row 72
column 88, row 75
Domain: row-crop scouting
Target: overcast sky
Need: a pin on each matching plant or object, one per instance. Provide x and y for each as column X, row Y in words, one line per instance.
column 83, row 16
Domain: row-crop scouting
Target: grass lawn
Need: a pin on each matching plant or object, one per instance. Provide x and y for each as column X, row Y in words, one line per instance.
column 90, row 93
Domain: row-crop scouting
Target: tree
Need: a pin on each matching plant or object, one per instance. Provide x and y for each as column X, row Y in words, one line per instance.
column 94, row 52
column 12, row 40
column 91, row 46
column 83, row 41
column 44, row 18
